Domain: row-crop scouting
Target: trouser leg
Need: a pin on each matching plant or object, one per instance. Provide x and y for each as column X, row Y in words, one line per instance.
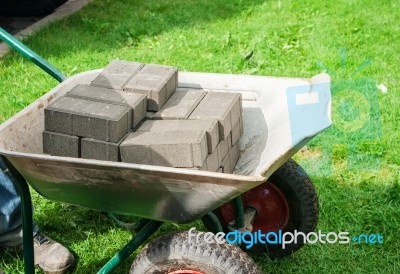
column 10, row 211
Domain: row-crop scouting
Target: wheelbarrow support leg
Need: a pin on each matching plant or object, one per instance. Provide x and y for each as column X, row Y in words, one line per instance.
column 148, row 229
column 239, row 212
column 27, row 221
column 213, row 220
column 244, row 217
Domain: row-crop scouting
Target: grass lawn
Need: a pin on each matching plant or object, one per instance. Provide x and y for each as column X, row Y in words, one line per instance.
column 356, row 172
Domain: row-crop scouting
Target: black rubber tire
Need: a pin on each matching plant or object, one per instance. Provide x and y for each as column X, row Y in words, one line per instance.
column 302, row 199
column 174, row 252
column 28, row 7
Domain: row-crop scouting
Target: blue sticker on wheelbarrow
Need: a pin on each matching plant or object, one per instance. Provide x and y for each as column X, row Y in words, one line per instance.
column 309, row 111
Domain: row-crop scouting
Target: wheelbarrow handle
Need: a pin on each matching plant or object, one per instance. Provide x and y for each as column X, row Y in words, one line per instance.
column 31, row 55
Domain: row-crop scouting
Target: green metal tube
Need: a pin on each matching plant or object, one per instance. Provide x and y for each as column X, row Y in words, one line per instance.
column 27, row 220
column 140, row 224
column 31, row 55
column 239, row 212
column 131, row 246
column 213, row 220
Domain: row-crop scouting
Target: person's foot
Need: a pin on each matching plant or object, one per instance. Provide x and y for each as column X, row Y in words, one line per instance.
column 51, row 256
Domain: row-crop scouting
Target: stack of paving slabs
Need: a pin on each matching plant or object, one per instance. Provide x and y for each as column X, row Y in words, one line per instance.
column 91, row 121
column 195, row 129
column 135, row 113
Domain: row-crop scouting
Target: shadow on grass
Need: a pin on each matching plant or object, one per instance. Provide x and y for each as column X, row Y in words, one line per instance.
column 363, row 207
column 106, row 25
column 84, row 230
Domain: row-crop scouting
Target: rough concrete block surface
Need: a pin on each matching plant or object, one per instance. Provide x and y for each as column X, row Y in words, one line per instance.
column 137, row 102
column 209, row 126
column 180, row 105
column 234, row 155
column 117, row 74
column 236, row 132
column 223, row 148
column 151, row 86
column 99, row 150
column 58, row 144
column 236, row 111
column 83, row 118
column 212, row 161
column 171, row 148
column 241, row 126
column 217, row 105
column 168, row 73
column 226, row 165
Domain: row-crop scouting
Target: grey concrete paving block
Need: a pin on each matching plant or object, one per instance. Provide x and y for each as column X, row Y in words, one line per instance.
column 223, row 148
column 226, row 165
column 168, row 73
column 236, row 132
column 241, row 126
column 172, row 148
column 116, row 74
column 172, row 84
column 236, row 111
column 212, row 161
column 137, row 102
column 234, row 155
column 217, row 105
column 151, row 86
column 58, row 144
column 202, row 168
column 83, row 118
column 229, row 162
column 100, row 150
column 180, row 105
column 209, row 126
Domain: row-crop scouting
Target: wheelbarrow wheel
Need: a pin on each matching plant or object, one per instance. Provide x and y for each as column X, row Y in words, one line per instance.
column 286, row 202
column 177, row 254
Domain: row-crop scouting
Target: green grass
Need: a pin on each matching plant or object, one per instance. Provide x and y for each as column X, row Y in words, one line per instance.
column 359, row 192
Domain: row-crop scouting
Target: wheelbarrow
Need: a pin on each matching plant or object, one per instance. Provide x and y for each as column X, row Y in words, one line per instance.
column 268, row 191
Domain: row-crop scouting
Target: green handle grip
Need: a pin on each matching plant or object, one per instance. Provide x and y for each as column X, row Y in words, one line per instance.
column 31, row 55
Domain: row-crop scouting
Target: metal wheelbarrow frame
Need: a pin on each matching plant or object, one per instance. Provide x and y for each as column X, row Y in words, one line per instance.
column 161, row 193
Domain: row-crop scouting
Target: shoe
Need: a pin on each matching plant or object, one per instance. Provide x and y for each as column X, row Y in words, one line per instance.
column 50, row 256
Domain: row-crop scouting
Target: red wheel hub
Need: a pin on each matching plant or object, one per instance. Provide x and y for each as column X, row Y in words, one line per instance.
column 185, row 271
column 271, row 205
